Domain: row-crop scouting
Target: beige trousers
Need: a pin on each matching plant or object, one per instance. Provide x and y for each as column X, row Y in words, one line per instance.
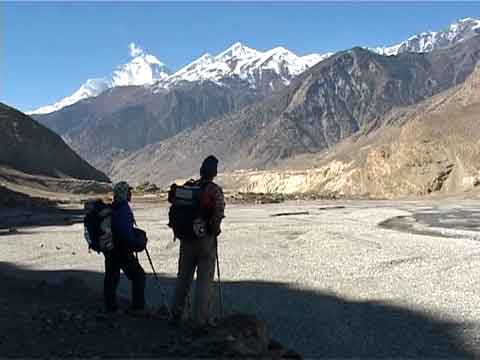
column 200, row 255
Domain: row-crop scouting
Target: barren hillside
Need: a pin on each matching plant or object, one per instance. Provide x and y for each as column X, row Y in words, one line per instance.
column 30, row 147
column 429, row 148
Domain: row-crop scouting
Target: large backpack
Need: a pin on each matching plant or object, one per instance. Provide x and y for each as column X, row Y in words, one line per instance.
column 140, row 240
column 186, row 217
column 98, row 226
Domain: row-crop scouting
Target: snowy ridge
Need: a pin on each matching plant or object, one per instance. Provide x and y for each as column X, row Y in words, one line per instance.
column 245, row 63
column 241, row 62
column 92, row 87
column 428, row 41
column 142, row 69
column 236, row 61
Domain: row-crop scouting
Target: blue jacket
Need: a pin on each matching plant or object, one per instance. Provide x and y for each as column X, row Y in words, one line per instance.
column 122, row 224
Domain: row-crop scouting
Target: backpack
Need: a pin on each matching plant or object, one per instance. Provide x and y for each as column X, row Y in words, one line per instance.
column 97, row 226
column 186, row 217
column 140, row 240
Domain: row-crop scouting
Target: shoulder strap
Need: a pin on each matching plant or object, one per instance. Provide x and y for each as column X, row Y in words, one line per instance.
column 204, row 184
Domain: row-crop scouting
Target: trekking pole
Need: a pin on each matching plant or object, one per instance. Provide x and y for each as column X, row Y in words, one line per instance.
column 219, row 287
column 164, row 296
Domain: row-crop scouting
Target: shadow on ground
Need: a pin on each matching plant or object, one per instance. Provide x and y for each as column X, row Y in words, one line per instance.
column 315, row 324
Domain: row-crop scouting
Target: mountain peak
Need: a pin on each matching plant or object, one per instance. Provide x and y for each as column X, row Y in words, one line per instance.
column 139, row 55
column 464, row 25
column 280, row 49
column 469, row 20
column 205, row 58
column 142, row 69
column 427, row 41
column 237, row 50
column 240, row 61
column 147, row 58
column 191, row 71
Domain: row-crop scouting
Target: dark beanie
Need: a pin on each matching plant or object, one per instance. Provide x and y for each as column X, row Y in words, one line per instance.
column 209, row 167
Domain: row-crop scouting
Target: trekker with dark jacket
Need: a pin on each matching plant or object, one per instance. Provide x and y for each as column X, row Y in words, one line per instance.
column 200, row 254
column 121, row 257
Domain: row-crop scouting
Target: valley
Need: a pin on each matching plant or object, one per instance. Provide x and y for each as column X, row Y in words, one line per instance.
column 351, row 178
column 357, row 123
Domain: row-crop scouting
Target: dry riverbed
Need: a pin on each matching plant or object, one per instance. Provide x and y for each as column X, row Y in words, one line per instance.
column 330, row 278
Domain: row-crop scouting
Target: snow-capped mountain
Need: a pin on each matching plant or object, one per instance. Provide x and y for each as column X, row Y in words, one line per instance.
column 428, row 41
column 240, row 61
column 142, row 69
column 263, row 70
column 92, row 87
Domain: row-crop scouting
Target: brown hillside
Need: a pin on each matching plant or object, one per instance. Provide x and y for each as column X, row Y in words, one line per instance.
column 30, row 147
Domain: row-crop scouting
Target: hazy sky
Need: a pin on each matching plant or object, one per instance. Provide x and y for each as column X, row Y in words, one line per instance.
column 48, row 50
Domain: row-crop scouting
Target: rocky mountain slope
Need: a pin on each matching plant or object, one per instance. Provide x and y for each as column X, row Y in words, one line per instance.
column 259, row 108
column 125, row 119
column 113, row 122
column 31, row 148
column 350, row 93
column 428, row 148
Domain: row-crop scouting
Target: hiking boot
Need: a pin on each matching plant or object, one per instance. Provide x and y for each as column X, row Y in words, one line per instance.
column 175, row 320
column 164, row 312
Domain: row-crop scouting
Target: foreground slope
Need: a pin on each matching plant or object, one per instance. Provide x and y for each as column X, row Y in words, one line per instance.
column 30, row 147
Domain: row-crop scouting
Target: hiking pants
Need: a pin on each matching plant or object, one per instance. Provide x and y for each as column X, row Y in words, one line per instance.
column 199, row 255
column 128, row 263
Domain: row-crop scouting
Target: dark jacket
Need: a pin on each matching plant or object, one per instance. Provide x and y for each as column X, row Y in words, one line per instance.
column 122, row 225
column 213, row 203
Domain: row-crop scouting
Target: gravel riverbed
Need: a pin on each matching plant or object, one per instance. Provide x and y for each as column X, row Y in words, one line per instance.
column 325, row 276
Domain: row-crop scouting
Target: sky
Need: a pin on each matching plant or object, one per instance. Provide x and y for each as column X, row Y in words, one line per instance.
column 47, row 50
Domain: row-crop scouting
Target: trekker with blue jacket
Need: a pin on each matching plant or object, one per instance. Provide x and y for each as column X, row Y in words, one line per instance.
column 121, row 257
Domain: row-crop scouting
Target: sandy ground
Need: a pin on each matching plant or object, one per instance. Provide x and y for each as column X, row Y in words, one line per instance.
column 330, row 283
